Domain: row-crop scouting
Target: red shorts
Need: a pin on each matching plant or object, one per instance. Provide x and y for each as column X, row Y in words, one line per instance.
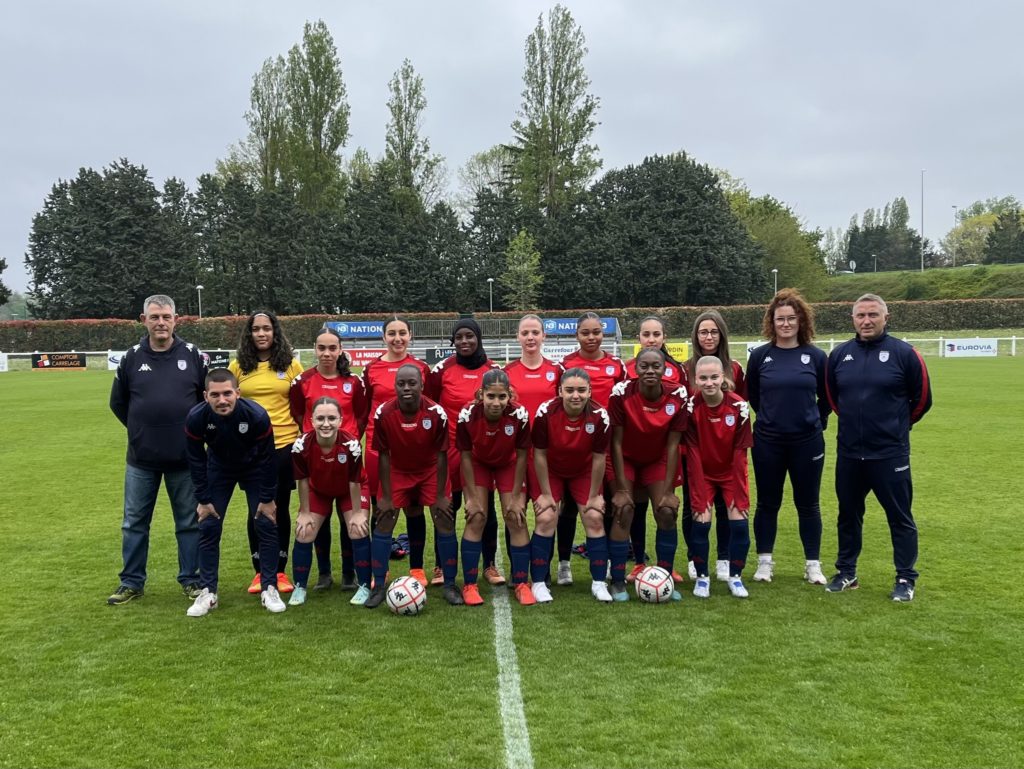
column 371, row 461
column 735, row 495
column 321, row 505
column 578, row 487
column 490, row 478
column 645, row 475
column 408, row 489
column 454, row 467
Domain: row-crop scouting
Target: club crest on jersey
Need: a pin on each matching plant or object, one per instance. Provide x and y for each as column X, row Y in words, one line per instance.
column 342, row 459
column 609, row 370
column 883, row 356
column 427, row 423
column 509, row 430
column 670, row 409
column 280, row 375
column 730, row 420
column 589, row 428
column 550, row 376
column 347, row 387
column 805, row 358
column 243, row 427
column 182, row 365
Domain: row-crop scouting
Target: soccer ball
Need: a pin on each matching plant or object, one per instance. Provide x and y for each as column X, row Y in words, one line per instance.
column 406, row 596
column 654, row 585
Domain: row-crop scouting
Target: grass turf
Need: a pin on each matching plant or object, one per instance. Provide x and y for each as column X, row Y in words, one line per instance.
column 791, row 677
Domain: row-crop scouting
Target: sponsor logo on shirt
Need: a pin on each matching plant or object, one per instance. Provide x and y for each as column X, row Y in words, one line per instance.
column 768, row 359
column 145, row 367
column 848, row 357
column 211, row 426
column 883, row 356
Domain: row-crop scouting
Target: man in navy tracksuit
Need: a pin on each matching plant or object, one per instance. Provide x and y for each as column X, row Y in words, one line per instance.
column 230, row 441
column 878, row 387
column 157, row 382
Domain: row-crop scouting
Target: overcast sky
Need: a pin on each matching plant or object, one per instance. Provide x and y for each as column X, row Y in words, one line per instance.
column 830, row 107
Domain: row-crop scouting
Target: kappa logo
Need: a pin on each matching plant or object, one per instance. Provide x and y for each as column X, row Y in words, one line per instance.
column 510, row 430
column 848, row 357
column 768, row 359
column 243, row 427
column 211, row 426
column 883, row 356
column 805, row 359
column 145, row 367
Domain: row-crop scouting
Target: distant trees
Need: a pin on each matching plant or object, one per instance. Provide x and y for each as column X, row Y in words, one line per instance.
column 5, row 293
column 1005, row 242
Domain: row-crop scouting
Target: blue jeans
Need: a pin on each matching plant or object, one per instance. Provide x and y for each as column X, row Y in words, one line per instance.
column 140, row 491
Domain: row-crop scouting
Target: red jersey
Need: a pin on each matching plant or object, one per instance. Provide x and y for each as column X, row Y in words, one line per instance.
column 411, row 444
column 534, row 386
column 716, row 450
column 673, row 372
column 646, row 424
column 570, row 443
column 310, row 385
column 737, row 377
column 379, row 383
column 493, row 444
column 454, row 386
column 605, row 373
column 329, row 474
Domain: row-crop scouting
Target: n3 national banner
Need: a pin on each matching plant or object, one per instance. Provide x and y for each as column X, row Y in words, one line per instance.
column 971, row 348
column 357, row 329
column 567, row 326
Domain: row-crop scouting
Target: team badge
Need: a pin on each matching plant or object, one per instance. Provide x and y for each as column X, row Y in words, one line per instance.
column 805, row 359
column 347, row 387
column 883, row 356
column 609, row 370
column 427, row 423
column 669, row 373
column 342, row 459
column 280, row 375
column 182, row 365
column 589, row 428
column 670, row 409
column 243, row 427
column 509, row 430
column 550, row 376
column 730, row 420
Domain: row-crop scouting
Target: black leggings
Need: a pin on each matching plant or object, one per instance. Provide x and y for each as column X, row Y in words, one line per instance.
column 285, row 484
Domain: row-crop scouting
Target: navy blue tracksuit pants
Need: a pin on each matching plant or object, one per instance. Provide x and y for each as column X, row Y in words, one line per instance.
column 803, row 462
column 222, row 486
column 889, row 480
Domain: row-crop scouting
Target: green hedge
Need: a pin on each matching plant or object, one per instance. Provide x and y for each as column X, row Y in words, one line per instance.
column 743, row 320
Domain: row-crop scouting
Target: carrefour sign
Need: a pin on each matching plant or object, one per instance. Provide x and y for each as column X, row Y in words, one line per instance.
column 567, row 326
column 359, row 329
column 971, row 348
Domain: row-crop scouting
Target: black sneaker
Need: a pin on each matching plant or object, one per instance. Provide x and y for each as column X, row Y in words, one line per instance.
column 324, row 582
column 841, row 582
column 191, row 590
column 348, row 582
column 453, row 595
column 902, row 591
column 377, row 595
column 123, row 595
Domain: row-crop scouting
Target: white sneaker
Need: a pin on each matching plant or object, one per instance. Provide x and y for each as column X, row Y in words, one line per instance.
column 736, row 587
column 564, row 573
column 691, row 571
column 541, row 593
column 271, row 600
column 813, row 573
column 765, row 568
column 204, row 603
column 600, row 591
column 298, row 596
column 722, row 571
column 702, row 587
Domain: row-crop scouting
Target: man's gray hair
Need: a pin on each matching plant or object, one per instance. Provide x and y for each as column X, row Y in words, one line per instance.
column 873, row 298
column 160, row 299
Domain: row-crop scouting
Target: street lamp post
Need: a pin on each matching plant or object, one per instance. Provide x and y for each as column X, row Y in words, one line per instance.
column 775, row 276
column 875, row 257
column 490, row 294
column 922, row 219
column 952, row 241
column 199, row 291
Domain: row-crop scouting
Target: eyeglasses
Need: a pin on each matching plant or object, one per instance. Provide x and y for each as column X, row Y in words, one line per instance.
column 791, row 321
column 709, row 332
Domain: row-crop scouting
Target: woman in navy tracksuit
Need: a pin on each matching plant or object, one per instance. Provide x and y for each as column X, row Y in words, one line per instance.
column 786, row 387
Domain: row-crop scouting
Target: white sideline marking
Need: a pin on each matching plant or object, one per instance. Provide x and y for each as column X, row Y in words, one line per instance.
column 510, row 696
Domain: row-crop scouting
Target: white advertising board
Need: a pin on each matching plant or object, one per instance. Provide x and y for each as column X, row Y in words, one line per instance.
column 971, row 348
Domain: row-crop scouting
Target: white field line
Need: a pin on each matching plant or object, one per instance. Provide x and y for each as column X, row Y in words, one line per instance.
column 510, row 696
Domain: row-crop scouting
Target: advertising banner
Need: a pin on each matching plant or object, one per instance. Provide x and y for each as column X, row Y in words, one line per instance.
column 363, row 356
column 358, row 329
column 434, row 355
column 678, row 350
column 3, row 362
column 114, row 360
column 971, row 348
column 218, row 358
column 567, row 326
column 58, row 361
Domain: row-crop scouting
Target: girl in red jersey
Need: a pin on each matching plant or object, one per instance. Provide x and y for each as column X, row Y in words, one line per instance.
column 533, row 377
column 379, row 382
column 453, row 383
column 331, row 377
column 411, row 437
column 605, row 371
column 717, row 442
column 651, row 334
column 493, row 436
column 648, row 419
column 570, row 440
column 711, row 337
column 327, row 463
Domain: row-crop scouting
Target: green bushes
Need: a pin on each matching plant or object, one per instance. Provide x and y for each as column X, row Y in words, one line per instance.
column 982, row 282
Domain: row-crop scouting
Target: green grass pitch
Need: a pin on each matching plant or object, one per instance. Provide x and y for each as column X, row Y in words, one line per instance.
column 792, row 677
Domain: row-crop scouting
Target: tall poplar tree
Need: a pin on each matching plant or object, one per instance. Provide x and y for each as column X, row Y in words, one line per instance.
column 406, row 151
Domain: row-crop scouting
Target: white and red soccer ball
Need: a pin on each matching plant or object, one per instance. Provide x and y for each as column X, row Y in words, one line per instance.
column 654, row 585
column 406, row 595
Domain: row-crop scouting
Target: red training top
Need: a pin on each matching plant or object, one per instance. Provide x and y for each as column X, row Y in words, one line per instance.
column 379, row 383
column 570, row 443
column 493, row 444
column 329, row 473
column 411, row 443
column 534, row 386
column 646, row 424
column 604, row 373
column 311, row 385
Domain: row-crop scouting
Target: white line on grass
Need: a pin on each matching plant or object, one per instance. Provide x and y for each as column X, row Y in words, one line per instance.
column 510, row 696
